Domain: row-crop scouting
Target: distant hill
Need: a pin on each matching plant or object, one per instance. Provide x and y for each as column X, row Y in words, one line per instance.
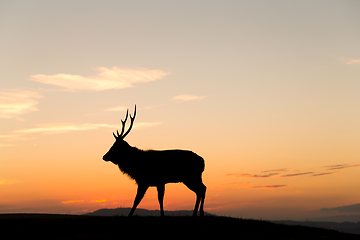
column 338, row 219
column 140, row 212
column 57, row 226
column 348, row 227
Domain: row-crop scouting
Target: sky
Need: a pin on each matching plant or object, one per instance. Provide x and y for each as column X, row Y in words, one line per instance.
column 267, row 92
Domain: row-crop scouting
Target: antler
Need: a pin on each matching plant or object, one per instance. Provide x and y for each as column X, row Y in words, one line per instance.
column 131, row 123
column 123, row 125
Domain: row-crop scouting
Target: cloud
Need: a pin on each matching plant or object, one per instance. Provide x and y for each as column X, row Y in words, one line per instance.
column 251, row 186
column 324, row 174
column 270, row 187
column 64, row 127
column 183, row 98
column 341, row 166
column 348, row 208
column 9, row 136
column 296, row 174
column 276, row 170
column 108, row 78
column 7, row 140
column 15, row 102
column 98, row 201
column 69, row 127
column 351, row 61
column 252, row 175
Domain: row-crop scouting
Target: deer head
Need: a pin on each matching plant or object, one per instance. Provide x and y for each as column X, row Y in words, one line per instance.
column 120, row 147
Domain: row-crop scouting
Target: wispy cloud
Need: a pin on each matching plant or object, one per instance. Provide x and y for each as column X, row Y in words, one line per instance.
column 284, row 173
column 108, row 78
column 277, row 174
column 276, row 170
column 324, row 174
column 9, row 136
column 6, row 138
column 68, row 127
column 251, row 186
column 182, row 98
column 64, row 127
column 296, row 174
column 341, row 166
column 98, row 201
column 252, row 175
column 15, row 102
column 350, row 61
column 270, row 187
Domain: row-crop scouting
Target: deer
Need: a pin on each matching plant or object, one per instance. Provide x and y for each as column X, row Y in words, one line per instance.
column 155, row 168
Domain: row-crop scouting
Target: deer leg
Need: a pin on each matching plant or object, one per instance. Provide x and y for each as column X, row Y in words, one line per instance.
column 195, row 187
column 198, row 198
column 139, row 195
column 202, row 200
column 161, row 191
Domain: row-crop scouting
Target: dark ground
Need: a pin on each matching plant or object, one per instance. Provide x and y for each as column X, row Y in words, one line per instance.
column 54, row 226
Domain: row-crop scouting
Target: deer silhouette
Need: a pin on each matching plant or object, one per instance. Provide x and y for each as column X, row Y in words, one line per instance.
column 155, row 168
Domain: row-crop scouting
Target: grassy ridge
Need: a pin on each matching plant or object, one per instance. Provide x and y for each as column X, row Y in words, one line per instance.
column 54, row 226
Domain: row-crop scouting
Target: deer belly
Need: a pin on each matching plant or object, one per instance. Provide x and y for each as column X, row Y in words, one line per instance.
column 155, row 181
column 161, row 179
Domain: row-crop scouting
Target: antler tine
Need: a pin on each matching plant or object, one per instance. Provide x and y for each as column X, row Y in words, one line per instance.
column 131, row 123
column 116, row 137
column 123, row 124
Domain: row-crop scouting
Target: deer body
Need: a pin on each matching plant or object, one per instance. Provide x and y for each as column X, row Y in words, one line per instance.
column 157, row 168
column 153, row 167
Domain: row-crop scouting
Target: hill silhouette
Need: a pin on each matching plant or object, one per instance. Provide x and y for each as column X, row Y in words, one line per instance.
column 56, row 226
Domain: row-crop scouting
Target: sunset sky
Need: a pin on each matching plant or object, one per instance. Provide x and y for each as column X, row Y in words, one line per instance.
column 267, row 92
